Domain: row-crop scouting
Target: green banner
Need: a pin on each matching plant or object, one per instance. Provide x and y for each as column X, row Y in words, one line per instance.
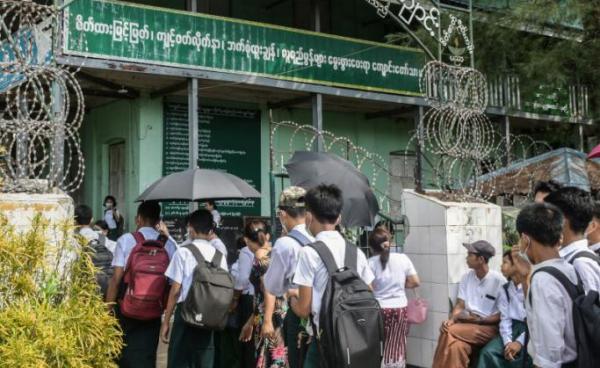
column 127, row 32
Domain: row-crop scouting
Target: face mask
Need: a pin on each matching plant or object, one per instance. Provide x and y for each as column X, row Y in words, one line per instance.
column 523, row 254
column 108, row 205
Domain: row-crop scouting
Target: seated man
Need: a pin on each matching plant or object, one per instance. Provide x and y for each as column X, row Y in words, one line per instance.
column 475, row 317
column 508, row 349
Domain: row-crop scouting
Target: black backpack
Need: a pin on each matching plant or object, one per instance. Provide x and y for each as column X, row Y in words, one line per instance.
column 584, row 254
column 102, row 259
column 351, row 324
column 586, row 318
column 211, row 293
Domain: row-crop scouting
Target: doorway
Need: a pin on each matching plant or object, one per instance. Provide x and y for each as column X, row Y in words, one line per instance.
column 116, row 174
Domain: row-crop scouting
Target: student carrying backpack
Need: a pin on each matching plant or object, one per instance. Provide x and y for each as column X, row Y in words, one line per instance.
column 211, row 293
column 351, row 324
column 146, row 286
column 101, row 256
column 102, row 259
column 586, row 318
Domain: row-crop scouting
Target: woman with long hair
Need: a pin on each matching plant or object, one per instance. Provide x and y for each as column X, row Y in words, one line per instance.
column 265, row 324
column 394, row 272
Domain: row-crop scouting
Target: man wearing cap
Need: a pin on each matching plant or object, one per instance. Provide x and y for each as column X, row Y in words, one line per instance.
column 284, row 258
column 475, row 317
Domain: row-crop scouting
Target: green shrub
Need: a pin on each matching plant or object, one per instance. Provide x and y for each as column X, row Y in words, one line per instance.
column 51, row 316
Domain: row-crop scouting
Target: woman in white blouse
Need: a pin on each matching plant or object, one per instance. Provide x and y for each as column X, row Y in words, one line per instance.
column 394, row 273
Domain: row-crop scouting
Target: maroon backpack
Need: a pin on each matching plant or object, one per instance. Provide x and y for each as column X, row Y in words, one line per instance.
column 146, row 285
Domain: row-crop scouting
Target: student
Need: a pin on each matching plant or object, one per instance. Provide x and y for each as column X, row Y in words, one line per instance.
column 211, row 206
column 577, row 208
column 508, row 349
column 83, row 223
column 189, row 347
column 549, row 306
column 113, row 218
column 101, row 227
column 475, row 317
column 284, row 259
column 140, row 337
column 266, row 322
column 243, row 300
column 323, row 210
column 543, row 188
column 101, row 253
column 593, row 230
column 394, row 273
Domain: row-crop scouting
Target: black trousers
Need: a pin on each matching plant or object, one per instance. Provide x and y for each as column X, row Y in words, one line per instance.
column 248, row 356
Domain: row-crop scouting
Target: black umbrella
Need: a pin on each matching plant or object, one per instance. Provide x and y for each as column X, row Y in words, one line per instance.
column 309, row 169
column 198, row 185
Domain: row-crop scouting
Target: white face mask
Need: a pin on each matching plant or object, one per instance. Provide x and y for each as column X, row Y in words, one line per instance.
column 523, row 254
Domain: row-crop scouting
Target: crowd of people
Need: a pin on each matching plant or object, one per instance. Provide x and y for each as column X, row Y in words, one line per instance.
column 275, row 305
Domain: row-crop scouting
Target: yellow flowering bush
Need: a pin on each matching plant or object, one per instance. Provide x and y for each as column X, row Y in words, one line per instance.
column 51, row 314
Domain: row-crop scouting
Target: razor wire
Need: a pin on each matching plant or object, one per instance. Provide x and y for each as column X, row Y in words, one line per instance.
column 41, row 103
column 303, row 137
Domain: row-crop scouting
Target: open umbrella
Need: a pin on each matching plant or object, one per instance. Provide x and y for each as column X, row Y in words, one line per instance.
column 198, row 185
column 309, row 169
column 594, row 153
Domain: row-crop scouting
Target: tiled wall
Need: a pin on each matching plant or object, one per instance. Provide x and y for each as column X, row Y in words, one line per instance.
column 437, row 231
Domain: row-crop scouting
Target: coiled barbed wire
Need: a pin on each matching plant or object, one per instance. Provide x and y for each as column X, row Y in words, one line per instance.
column 41, row 102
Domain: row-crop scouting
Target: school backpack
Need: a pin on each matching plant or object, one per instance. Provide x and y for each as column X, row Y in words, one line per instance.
column 211, row 293
column 146, row 286
column 351, row 331
column 102, row 260
column 584, row 254
column 299, row 237
column 586, row 318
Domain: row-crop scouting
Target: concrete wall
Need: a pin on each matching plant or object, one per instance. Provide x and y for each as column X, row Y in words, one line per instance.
column 437, row 231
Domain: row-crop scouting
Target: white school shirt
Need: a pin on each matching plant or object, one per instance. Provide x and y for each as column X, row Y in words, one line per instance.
column 89, row 234
column 110, row 219
column 552, row 342
column 311, row 271
column 481, row 296
column 511, row 309
column 216, row 217
column 216, row 243
column 181, row 268
column 126, row 243
column 388, row 285
column 588, row 269
column 284, row 259
column 245, row 262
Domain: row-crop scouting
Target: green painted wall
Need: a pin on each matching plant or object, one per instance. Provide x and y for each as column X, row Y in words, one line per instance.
column 139, row 125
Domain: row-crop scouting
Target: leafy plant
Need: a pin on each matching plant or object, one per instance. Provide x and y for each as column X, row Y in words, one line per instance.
column 51, row 314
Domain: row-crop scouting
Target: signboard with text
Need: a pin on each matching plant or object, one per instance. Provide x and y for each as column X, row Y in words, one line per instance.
column 229, row 140
column 129, row 32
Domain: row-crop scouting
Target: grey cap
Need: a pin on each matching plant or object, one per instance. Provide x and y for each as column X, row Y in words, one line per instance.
column 481, row 247
column 292, row 197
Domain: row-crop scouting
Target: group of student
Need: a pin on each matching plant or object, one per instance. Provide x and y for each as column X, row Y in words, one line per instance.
column 291, row 298
column 277, row 290
column 530, row 320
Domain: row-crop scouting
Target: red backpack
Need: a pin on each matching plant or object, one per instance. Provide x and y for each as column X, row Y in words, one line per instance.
column 146, row 285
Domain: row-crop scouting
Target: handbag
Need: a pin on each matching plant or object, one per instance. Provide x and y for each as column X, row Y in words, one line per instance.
column 416, row 311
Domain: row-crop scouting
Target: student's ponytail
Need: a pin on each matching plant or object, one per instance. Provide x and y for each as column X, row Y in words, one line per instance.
column 377, row 240
column 256, row 231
